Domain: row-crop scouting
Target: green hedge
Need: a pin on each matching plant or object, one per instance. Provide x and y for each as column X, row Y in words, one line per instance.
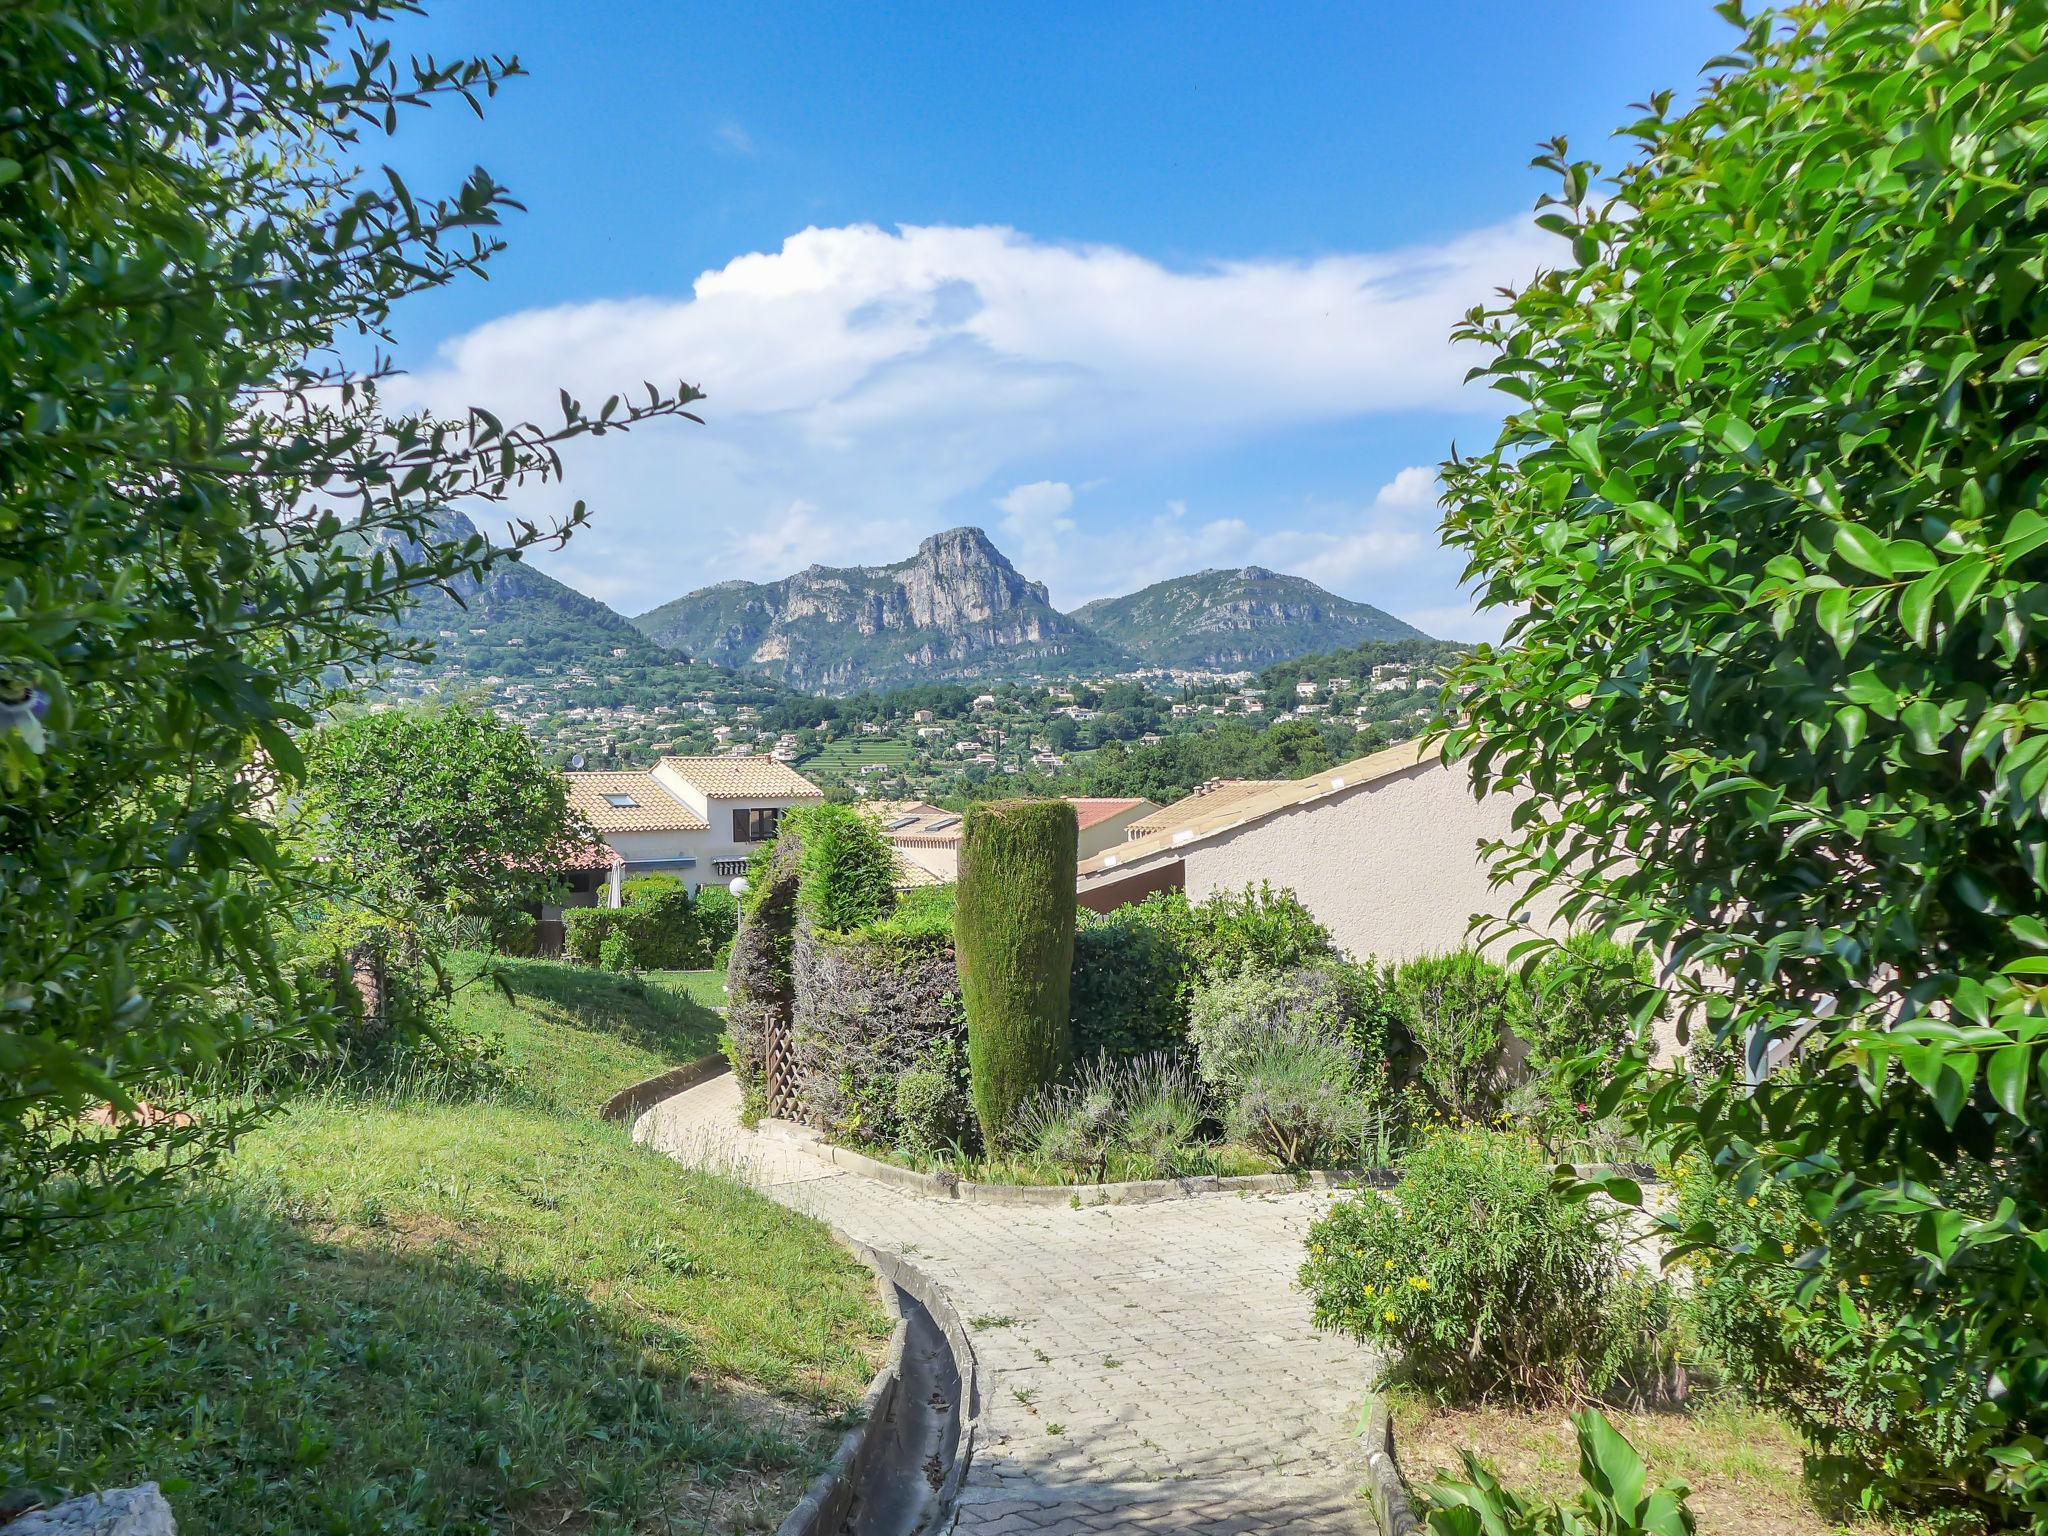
column 662, row 927
column 848, row 869
column 1014, row 935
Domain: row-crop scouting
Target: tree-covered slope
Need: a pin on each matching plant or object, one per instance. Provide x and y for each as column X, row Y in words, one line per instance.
column 1228, row 620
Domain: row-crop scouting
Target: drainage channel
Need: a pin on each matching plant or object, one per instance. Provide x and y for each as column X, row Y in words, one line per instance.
column 909, row 1483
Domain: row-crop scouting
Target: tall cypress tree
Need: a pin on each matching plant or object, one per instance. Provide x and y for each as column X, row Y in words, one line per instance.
column 1014, row 933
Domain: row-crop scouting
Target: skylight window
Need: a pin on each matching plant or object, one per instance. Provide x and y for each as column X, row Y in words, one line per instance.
column 622, row 802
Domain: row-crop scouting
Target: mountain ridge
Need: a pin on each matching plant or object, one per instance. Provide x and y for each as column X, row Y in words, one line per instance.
column 1246, row 618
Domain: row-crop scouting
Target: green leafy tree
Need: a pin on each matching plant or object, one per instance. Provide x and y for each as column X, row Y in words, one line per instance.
column 1771, row 495
column 447, row 806
column 1014, row 935
column 208, row 526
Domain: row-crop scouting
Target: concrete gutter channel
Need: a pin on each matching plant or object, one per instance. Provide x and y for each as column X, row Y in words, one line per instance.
column 898, row 1472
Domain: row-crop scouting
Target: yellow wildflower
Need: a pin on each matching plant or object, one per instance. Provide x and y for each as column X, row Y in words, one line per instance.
column 1420, row 1282
column 1388, row 1314
column 1390, row 1264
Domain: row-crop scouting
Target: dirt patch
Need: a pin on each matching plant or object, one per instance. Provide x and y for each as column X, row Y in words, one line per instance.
column 1744, row 1468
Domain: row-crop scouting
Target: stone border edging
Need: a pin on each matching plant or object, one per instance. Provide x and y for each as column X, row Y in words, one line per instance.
column 822, row 1509
column 630, row 1103
column 1391, row 1505
column 946, row 1186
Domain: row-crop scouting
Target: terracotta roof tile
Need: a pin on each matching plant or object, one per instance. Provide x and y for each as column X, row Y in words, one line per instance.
column 740, row 778
column 653, row 809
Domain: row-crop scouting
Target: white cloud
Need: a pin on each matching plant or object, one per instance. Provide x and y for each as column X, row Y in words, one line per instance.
column 735, row 138
column 866, row 385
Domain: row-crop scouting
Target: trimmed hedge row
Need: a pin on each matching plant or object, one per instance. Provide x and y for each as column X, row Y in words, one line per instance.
column 661, row 927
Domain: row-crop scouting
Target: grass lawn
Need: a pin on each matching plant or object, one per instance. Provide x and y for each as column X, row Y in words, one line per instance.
column 496, row 1315
column 1744, row 1467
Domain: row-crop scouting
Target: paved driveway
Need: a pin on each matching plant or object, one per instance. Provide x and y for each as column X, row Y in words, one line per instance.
column 1145, row 1368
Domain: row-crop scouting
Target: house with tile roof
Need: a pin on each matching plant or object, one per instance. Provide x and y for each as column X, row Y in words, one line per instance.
column 929, row 836
column 1384, row 850
column 697, row 818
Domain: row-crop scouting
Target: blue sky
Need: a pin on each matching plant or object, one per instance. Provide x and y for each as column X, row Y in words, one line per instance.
column 1138, row 288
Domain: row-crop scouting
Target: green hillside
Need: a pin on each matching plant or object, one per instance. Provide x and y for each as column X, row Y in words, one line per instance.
column 1231, row 620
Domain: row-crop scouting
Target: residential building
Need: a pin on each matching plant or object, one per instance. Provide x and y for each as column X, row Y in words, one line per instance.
column 930, row 837
column 1384, row 850
column 698, row 818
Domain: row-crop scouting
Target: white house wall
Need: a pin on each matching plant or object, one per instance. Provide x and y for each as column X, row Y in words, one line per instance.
column 1391, row 869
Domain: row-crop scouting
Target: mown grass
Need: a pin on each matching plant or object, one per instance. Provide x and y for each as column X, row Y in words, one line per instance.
column 394, row 1315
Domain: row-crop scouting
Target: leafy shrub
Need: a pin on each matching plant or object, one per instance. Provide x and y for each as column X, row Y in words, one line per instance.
column 1014, row 932
column 1164, row 1109
column 616, row 952
column 1074, row 1128
column 513, row 933
column 1481, row 1277
column 1580, row 1024
column 584, row 930
column 925, row 913
column 1888, row 1426
column 1615, row 1497
column 658, row 924
column 714, row 919
column 1459, row 1011
column 1236, row 1019
column 1766, row 503
column 1298, row 1097
column 934, row 1111
column 1130, row 985
column 866, row 1008
column 848, row 870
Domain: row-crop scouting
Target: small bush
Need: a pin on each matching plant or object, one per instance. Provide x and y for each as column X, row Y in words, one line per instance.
column 1299, row 1100
column 658, row 924
column 1237, row 1019
column 715, row 918
column 1579, row 1021
column 616, row 952
column 1074, row 1128
column 847, row 869
column 512, row 933
column 1131, row 981
column 1891, row 1432
column 584, row 930
column 1459, row 1012
column 934, row 1113
column 1481, row 1277
column 1164, row 1109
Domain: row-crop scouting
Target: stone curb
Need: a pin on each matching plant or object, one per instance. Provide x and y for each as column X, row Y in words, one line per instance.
column 823, row 1508
column 946, row 1186
column 825, row 1504
column 629, row 1104
column 1388, row 1491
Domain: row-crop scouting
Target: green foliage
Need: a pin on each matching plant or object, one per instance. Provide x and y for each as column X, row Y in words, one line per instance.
column 1236, row 1019
column 715, row 918
column 1014, row 935
column 202, row 539
column 758, row 975
column 659, row 923
column 1458, row 1011
column 1481, row 1277
column 448, row 806
column 1129, row 986
column 1198, row 620
column 1885, row 1423
column 934, row 1108
column 848, row 869
column 1299, row 1096
column 1587, row 1004
column 615, row 952
column 922, row 915
column 584, row 930
column 1122, row 1118
column 1771, row 494
column 1615, row 1498
column 513, row 933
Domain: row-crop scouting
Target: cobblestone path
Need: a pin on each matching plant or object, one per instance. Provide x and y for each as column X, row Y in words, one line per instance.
column 1144, row 1368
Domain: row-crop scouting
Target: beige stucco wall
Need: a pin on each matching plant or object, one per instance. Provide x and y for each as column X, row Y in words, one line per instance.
column 1110, row 831
column 1392, row 868
column 943, row 862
